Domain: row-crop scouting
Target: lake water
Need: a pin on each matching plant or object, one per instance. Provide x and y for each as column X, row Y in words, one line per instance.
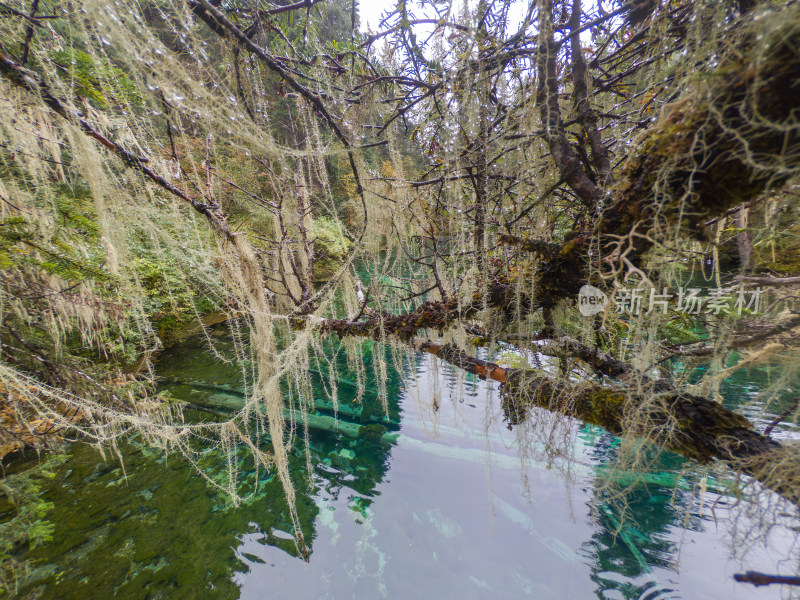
column 448, row 509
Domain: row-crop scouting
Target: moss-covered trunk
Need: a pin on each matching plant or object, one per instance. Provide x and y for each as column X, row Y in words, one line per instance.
column 689, row 425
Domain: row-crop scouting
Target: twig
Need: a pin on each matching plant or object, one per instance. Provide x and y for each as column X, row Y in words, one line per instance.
column 29, row 32
column 743, row 342
column 759, row 579
column 29, row 80
column 772, row 281
column 5, row 8
column 782, row 416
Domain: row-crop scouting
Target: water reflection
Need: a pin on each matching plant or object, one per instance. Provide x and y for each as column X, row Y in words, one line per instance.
column 662, row 533
column 349, row 442
column 434, row 504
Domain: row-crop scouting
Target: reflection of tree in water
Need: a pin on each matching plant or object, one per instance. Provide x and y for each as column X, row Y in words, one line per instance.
column 635, row 514
column 156, row 524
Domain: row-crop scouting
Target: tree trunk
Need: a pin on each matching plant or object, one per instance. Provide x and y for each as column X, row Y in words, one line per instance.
column 744, row 241
column 689, row 425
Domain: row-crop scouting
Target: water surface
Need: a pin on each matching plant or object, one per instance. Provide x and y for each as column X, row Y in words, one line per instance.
column 448, row 509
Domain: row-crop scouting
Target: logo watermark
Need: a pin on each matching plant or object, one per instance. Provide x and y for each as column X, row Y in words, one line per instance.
column 591, row 300
column 636, row 301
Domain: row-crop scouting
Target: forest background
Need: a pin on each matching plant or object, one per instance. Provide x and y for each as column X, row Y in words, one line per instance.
column 448, row 183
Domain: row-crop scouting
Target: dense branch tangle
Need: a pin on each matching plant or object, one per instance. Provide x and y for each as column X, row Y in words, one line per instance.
column 728, row 138
column 191, row 143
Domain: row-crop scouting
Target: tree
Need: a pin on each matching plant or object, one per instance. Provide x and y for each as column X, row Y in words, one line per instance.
column 487, row 169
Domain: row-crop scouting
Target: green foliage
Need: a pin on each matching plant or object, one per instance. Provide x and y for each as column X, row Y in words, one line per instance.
column 12, row 231
column 102, row 84
column 176, row 283
column 72, row 311
column 169, row 300
column 70, row 248
column 21, row 497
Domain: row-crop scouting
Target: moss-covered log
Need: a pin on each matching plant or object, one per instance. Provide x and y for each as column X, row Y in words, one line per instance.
column 684, row 423
column 725, row 142
column 690, row 425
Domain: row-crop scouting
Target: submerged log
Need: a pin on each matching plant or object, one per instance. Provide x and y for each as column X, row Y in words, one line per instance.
column 233, row 398
column 759, row 579
column 230, row 399
column 375, row 431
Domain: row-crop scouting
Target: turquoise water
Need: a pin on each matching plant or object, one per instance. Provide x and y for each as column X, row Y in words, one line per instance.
column 444, row 508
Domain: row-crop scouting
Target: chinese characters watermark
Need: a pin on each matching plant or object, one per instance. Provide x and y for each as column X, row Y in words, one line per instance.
column 689, row 300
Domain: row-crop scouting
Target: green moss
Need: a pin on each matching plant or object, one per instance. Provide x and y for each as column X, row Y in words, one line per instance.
column 330, row 246
column 605, row 408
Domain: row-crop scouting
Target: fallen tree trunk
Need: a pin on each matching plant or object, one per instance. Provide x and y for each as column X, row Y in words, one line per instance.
column 689, row 425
